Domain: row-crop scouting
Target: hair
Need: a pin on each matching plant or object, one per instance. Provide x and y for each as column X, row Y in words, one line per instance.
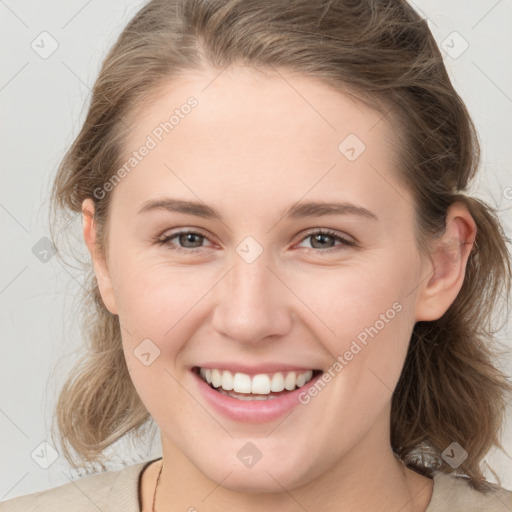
column 450, row 389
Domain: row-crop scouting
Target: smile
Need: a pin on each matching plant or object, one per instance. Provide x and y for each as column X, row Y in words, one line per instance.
column 262, row 386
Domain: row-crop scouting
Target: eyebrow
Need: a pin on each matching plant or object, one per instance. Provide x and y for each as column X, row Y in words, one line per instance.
column 300, row 210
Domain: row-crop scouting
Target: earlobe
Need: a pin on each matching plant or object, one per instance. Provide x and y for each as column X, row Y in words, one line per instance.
column 98, row 259
column 448, row 260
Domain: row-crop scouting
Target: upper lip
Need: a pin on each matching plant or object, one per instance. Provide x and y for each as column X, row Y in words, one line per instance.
column 254, row 369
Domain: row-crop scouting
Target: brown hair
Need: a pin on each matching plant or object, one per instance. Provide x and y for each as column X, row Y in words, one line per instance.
column 450, row 389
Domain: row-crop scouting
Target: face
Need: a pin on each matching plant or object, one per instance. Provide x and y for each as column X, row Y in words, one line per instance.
column 263, row 277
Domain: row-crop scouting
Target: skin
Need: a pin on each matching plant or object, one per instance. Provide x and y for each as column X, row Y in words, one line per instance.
column 252, row 148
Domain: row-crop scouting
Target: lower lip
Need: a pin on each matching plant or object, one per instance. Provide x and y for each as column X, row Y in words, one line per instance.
column 253, row 411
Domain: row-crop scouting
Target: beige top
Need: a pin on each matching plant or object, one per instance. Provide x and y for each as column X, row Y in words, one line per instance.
column 116, row 491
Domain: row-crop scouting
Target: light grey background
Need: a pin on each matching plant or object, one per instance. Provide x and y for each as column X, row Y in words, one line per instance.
column 43, row 102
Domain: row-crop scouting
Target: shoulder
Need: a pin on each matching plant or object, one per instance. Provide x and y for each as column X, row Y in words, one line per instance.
column 455, row 494
column 107, row 491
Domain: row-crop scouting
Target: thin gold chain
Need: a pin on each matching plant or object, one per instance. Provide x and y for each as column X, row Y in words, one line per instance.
column 156, row 486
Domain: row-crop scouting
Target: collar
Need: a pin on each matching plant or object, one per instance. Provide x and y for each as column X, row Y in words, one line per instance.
column 125, row 492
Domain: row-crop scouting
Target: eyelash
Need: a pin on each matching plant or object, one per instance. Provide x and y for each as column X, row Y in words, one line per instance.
column 326, row 232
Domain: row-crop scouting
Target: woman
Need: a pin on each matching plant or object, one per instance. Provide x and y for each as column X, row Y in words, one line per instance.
column 289, row 276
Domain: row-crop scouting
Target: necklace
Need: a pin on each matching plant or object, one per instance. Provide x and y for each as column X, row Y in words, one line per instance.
column 156, row 486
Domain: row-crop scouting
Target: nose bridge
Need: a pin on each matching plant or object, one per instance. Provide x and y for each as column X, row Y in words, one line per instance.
column 252, row 303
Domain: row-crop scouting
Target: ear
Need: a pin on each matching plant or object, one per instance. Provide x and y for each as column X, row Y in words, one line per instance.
column 98, row 258
column 447, row 264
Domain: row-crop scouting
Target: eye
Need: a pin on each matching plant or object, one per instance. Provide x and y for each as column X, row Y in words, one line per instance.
column 323, row 237
column 190, row 241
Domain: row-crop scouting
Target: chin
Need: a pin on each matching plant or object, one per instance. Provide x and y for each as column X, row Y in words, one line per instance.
column 259, row 482
column 263, row 478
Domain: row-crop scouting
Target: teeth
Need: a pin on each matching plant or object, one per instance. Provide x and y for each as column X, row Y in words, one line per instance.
column 261, row 384
column 277, row 383
column 245, row 398
column 206, row 374
column 216, row 378
column 242, row 383
column 301, row 380
column 227, row 380
column 290, row 381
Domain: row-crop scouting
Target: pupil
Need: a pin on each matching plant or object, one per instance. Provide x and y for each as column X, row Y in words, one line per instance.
column 321, row 237
column 188, row 238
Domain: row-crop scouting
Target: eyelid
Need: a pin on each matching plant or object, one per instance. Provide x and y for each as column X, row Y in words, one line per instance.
column 164, row 238
column 181, row 231
column 345, row 242
column 329, row 232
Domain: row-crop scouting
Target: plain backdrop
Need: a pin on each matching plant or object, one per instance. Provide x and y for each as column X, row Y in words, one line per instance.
column 43, row 102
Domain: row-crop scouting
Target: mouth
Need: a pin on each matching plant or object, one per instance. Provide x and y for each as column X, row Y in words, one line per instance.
column 263, row 386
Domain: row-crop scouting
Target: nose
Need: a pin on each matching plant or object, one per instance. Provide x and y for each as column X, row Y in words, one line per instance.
column 253, row 304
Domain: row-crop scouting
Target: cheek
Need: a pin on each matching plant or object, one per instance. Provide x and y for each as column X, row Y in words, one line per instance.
column 351, row 299
column 153, row 296
column 161, row 308
column 156, row 311
column 370, row 315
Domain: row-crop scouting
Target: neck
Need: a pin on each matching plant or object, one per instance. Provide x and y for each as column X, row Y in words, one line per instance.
column 368, row 477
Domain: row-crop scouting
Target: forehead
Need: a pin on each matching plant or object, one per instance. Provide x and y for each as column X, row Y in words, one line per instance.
column 254, row 99
column 256, row 134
